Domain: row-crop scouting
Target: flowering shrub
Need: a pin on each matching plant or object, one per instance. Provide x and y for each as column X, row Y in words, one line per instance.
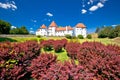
column 100, row 60
column 22, row 61
column 25, row 51
column 15, row 57
column 40, row 65
column 48, row 68
column 72, row 49
column 59, row 44
column 47, row 45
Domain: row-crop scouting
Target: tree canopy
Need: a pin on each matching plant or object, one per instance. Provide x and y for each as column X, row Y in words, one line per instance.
column 110, row 32
column 21, row 30
column 4, row 27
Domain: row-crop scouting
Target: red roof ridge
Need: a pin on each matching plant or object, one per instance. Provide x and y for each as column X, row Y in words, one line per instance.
column 43, row 26
column 53, row 24
column 80, row 25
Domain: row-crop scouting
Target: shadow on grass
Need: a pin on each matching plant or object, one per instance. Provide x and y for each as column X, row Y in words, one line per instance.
column 3, row 39
column 60, row 51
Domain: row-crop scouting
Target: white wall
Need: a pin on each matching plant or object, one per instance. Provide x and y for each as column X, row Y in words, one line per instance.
column 70, row 32
column 84, row 33
column 60, row 33
column 51, row 31
column 80, row 31
column 42, row 32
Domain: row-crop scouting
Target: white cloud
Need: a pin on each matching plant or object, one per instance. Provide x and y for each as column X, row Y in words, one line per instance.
column 93, row 8
column 13, row 27
column 32, row 32
column 49, row 14
column 83, row 11
column 114, row 25
column 100, row 5
column 8, row 5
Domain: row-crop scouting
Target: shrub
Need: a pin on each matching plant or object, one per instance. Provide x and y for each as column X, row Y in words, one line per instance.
column 39, row 66
column 59, row 44
column 68, row 36
column 80, row 37
column 74, row 37
column 72, row 49
column 89, row 36
column 39, row 36
column 15, row 73
column 104, row 59
column 47, row 44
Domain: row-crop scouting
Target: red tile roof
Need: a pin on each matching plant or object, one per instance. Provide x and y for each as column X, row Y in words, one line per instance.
column 80, row 25
column 64, row 28
column 69, row 28
column 61, row 29
column 53, row 24
column 43, row 27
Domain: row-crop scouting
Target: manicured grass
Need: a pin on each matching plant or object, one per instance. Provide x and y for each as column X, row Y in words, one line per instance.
column 105, row 41
column 62, row 56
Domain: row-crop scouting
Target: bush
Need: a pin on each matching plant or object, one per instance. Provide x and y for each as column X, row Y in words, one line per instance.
column 39, row 66
column 72, row 49
column 39, row 36
column 59, row 44
column 80, row 37
column 74, row 37
column 68, row 36
column 47, row 44
column 89, row 36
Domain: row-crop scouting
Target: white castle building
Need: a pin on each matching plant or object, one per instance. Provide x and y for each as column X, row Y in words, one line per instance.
column 54, row 30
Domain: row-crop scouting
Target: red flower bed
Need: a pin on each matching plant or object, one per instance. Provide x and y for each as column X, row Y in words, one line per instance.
column 23, row 61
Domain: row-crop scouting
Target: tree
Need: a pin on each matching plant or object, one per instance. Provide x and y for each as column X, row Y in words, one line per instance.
column 97, row 30
column 112, row 34
column 4, row 27
column 105, row 32
column 117, row 30
column 21, row 30
column 14, row 31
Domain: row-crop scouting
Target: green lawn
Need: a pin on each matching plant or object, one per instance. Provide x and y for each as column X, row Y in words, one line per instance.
column 22, row 39
column 62, row 56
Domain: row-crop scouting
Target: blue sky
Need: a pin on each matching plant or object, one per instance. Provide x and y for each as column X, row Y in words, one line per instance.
column 34, row 13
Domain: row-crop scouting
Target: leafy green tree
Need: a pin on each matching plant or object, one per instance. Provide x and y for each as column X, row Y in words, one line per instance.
column 112, row 34
column 21, row 30
column 105, row 32
column 117, row 30
column 4, row 27
column 15, row 31
column 97, row 30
